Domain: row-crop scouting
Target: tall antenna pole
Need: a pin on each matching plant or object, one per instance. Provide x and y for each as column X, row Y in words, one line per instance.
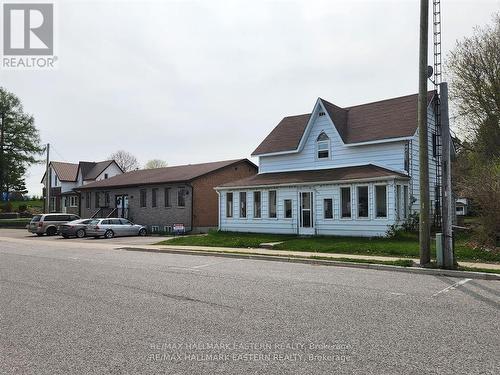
column 47, row 180
column 424, row 227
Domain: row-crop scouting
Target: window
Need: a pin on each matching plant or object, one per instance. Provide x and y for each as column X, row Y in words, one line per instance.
column 437, row 197
column 323, row 146
column 87, row 199
column 398, row 202
column 345, row 197
column 288, row 208
column 257, row 205
column 167, row 197
column 106, row 198
column 154, row 194
column 181, row 197
column 105, row 176
column 381, row 200
column 405, row 201
column 55, row 180
column 328, row 208
column 407, row 157
column 272, row 203
column 73, row 201
column 434, row 144
column 363, row 201
column 97, row 196
column 229, row 204
column 243, row 204
column 142, row 198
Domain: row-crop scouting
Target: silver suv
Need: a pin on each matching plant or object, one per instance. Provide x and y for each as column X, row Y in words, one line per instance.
column 114, row 227
column 48, row 223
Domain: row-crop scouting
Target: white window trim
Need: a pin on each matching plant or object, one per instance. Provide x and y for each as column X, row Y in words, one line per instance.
column 284, row 209
column 329, row 150
column 239, row 205
column 269, row 204
column 357, row 203
column 253, row 205
column 386, row 217
column 333, row 208
column 340, row 203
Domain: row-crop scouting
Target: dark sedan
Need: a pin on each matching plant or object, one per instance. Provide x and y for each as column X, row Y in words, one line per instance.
column 76, row 228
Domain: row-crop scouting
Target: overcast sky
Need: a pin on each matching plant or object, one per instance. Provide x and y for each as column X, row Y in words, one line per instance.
column 197, row 81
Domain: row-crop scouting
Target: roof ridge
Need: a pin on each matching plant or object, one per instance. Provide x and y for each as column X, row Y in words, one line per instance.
column 385, row 100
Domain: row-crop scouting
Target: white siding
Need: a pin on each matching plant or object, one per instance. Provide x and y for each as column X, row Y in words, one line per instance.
column 362, row 227
column 111, row 170
column 389, row 155
column 415, row 165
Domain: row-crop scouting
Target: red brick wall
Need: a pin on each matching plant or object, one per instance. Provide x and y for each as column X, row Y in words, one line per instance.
column 205, row 199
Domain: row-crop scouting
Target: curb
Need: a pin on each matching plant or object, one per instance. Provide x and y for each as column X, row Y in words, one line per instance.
column 322, row 262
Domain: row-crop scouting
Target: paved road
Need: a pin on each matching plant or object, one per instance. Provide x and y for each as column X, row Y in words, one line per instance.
column 84, row 307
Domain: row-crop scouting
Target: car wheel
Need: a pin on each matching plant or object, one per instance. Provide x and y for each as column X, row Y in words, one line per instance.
column 109, row 234
column 51, row 231
column 142, row 232
column 80, row 233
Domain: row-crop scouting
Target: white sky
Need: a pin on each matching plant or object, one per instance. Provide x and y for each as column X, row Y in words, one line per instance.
column 197, row 81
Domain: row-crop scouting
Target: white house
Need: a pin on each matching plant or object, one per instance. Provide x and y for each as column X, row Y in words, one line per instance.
column 335, row 171
column 65, row 177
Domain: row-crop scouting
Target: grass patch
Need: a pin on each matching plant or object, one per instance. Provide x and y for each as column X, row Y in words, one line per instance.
column 30, row 204
column 404, row 245
column 226, row 239
column 473, row 269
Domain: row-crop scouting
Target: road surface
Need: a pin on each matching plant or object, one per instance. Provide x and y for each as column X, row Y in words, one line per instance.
column 87, row 307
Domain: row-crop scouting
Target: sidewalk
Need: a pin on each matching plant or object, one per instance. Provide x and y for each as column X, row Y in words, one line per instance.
column 304, row 254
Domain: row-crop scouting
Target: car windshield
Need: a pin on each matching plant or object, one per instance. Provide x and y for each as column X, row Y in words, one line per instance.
column 36, row 218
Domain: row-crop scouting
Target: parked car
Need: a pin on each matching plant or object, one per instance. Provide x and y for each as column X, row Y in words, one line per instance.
column 48, row 223
column 114, row 227
column 75, row 228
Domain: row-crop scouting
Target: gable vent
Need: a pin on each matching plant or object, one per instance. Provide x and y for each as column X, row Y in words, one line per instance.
column 321, row 113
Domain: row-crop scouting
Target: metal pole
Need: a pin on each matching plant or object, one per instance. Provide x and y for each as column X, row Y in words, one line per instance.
column 447, row 204
column 47, row 180
column 425, row 240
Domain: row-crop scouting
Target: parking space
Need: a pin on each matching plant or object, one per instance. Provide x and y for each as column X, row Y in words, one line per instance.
column 133, row 240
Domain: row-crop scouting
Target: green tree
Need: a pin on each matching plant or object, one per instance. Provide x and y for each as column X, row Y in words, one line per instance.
column 474, row 73
column 19, row 142
column 155, row 163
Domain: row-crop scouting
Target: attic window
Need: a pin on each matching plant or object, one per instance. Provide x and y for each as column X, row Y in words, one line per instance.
column 321, row 113
column 323, row 146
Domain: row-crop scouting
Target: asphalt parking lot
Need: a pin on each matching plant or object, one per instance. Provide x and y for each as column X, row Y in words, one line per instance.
column 89, row 307
column 119, row 241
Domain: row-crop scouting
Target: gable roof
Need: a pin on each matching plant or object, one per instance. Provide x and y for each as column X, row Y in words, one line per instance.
column 385, row 119
column 361, row 172
column 91, row 170
column 65, row 171
column 68, row 172
column 181, row 173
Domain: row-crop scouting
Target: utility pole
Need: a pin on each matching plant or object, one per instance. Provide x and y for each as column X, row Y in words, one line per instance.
column 448, row 256
column 47, row 181
column 424, row 226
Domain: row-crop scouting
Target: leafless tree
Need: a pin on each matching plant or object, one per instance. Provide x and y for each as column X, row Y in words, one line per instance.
column 125, row 160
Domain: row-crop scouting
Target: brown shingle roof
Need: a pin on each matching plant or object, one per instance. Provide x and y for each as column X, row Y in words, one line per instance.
column 181, row 173
column 65, row 171
column 362, row 172
column 385, row 119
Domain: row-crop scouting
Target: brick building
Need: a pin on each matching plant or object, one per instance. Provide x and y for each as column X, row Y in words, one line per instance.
column 162, row 197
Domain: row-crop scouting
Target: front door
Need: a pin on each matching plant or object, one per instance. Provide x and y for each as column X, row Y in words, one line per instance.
column 121, row 204
column 306, row 214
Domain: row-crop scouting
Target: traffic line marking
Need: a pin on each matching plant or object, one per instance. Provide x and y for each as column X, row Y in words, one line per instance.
column 452, row 287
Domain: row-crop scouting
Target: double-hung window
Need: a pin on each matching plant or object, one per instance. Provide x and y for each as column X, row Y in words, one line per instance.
column 381, row 201
column 243, row 204
column 362, row 201
column 257, row 205
column 142, row 198
column 328, row 208
column 272, row 203
column 229, row 204
column 288, row 208
column 323, row 146
column 345, row 202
